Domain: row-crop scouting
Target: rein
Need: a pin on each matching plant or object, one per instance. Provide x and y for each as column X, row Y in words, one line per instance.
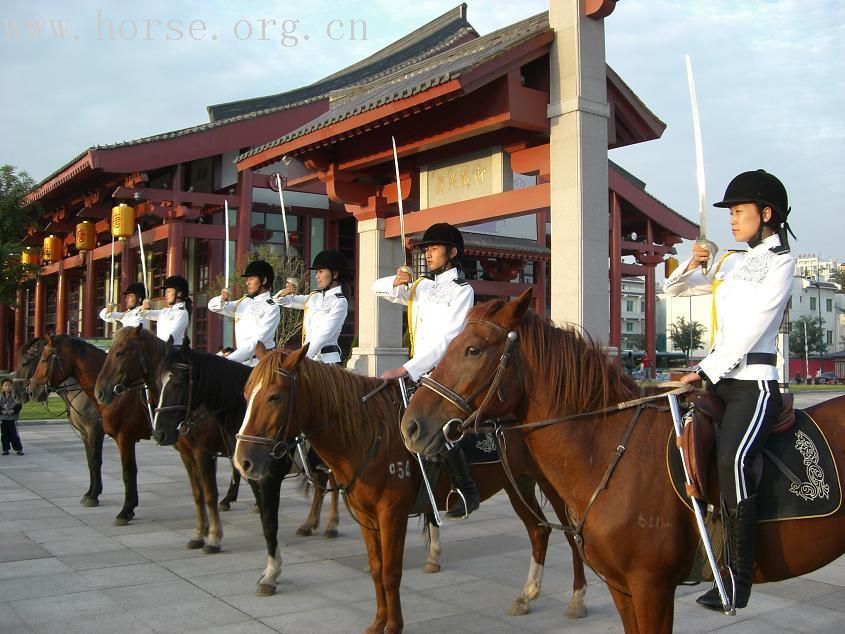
column 187, row 422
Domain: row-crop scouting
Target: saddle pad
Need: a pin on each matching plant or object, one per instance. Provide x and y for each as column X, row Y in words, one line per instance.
column 480, row 449
column 805, row 451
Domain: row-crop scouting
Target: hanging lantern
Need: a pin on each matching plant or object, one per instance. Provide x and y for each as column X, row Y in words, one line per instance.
column 52, row 251
column 29, row 256
column 86, row 236
column 669, row 266
column 122, row 221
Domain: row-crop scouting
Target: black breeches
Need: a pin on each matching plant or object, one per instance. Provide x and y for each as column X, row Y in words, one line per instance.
column 10, row 436
column 751, row 409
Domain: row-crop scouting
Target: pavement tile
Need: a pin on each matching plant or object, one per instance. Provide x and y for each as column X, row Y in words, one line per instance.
column 17, row 546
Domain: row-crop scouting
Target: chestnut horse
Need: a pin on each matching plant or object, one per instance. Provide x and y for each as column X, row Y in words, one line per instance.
column 637, row 533
column 290, row 396
column 64, row 358
column 82, row 414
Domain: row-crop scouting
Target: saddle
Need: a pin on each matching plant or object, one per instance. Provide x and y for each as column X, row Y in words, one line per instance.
column 698, row 440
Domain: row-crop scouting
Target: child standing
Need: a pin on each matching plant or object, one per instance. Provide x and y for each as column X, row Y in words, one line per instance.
column 9, row 410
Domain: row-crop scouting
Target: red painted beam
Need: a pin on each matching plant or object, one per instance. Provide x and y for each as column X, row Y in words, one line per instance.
column 178, row 197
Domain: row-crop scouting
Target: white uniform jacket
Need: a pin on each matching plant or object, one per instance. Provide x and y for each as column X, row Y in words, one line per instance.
column 750, row 291
column 325, row 312
column 436, row 313
column 256, row 319
column 172, row 322
column 129, row 318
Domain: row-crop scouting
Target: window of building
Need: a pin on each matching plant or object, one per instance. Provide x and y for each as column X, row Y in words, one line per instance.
column 73, row 313
column 828, row 305
column 157, row 269
column 102, row 300
column 201, row 259
column 629, row 306
column 829, row 337
column 30, row 313
column 50, row 297
column 268, row 229
column 199, row 320
column 629, row 327
column 812, row 303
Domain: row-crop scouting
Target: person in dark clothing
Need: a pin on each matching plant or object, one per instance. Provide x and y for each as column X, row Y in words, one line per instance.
column 9, row 410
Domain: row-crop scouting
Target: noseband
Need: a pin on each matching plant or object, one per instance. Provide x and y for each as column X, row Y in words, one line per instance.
column 137, row 384
column 54, row 357
column 455, row 428
column 187, row 422
column 278, row 448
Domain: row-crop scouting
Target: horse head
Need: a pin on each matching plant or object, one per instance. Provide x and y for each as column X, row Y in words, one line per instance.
column 175, row 375
column 53, row 367
column 270, row 418
column 128, row 364
column 476, row 377
column 28, row 357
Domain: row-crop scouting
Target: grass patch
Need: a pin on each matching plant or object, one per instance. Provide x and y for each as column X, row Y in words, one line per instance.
column 37, row 411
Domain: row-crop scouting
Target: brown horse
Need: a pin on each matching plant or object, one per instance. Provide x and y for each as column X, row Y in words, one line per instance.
column 82, row 414
column 64, row 357
column 291, row 396
column 135, row 359
column 637, row 534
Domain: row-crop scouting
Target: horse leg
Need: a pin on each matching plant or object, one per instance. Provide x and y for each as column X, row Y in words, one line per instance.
column 432, row 564
column 232, row 492
column 126, row 446
column 539, row 536
column 373, row 541
column 332, row 522
column 270, row 489
column 207, row 467
column 392, row 552
column 201, row 529
column 576, row 608
column 625, row 607
column 654, row 605
column 313, row 520
column 92, row 437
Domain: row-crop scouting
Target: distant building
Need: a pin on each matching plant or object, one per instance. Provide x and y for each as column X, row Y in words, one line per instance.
column 813, row 267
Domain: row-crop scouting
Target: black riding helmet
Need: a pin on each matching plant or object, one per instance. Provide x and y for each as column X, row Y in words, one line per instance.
column 261, row 269
column 443, row 233
column 137, row 289
column 765, row 190
column 177, row 282
column 332, row 260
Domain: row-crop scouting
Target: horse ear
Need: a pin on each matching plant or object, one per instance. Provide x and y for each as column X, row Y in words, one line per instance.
column 513, row 311
column 170, row 340
column 293, row 359
column 139, row 328
column 260, row 350
column 186, row 343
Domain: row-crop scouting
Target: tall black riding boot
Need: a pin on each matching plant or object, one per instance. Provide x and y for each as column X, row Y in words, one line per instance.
column 741, row 526
column 468, row 499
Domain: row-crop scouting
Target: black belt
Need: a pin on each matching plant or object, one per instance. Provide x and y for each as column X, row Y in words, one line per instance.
column 761, row 358
column 329, row 349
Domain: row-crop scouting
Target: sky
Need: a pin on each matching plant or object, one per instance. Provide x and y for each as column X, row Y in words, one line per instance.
column 770, row 80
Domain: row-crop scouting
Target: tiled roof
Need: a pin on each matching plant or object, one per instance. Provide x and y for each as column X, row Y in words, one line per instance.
column 417, row 78
column 428, row 40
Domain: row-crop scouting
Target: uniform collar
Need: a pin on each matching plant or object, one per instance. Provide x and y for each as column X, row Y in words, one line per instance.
column 335, row 290
column 767, row 243
column 177, row 305
column 447, row 276
column 260, row 297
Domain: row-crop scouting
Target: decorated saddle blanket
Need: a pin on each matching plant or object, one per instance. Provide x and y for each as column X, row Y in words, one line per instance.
column 799, row 477
column 480, row 449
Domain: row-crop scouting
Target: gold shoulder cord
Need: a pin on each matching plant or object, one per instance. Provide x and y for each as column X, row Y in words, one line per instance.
column 714, row 323
column 305, row 314
column 410, row 313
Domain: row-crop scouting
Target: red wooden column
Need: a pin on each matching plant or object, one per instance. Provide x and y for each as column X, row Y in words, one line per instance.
column 20, row 318
column 40, row 307
column 616, row 272
column 89, row 298
column 4, row 337
column 175, row 248
column 61, row 300
column 242, row 235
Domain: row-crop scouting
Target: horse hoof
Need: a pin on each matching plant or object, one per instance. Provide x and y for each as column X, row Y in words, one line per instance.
column 518, row 608
column 89, row 502
column 330, row 533
column 123, row 519
column 303, row 531
column 576, row 612
column 196, row 543
column 430, row 568
column 211, row 549
column 224, row 506
column 265, row 590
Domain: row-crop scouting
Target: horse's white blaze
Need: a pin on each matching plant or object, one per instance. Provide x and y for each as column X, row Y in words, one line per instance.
column 165, row 379
column 248, row 412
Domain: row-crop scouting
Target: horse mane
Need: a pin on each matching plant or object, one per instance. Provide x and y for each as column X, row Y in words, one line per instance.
column 78, row 347
column 145, row 336
column 218, row 382
column 331, row 394
column 577, row 374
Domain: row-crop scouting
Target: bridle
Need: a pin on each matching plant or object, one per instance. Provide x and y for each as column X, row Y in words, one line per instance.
column 279, row 448
column 136, row 384
column 455, row 428
column 187, row 422
column 54, row 357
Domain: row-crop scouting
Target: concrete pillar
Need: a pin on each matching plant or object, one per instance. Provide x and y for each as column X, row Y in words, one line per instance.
column 61, row 301
column 579, row 114
column 90, row 311
column 379, row 321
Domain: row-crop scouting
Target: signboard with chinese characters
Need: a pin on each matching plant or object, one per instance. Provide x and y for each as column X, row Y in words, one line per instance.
column 464, row 178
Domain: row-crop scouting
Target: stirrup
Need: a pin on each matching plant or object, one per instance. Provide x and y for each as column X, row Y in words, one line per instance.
column 460, row 493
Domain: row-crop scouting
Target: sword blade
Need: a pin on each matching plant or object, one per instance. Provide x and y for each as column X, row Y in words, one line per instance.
column 143, row 261
column 284, row 214
column 699, row 152
column 399, row 196
column 226, row 245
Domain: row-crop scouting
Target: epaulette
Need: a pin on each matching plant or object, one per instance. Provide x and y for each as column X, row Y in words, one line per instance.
column 779, row 250
column 270, row 301
column 461, row 282
column 180, row 307
column 428, row 276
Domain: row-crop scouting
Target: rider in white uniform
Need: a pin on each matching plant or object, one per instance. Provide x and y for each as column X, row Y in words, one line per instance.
column 325, row 309
column 134, row 295
column 437, row 308
column 256, row 315
column 173, row 320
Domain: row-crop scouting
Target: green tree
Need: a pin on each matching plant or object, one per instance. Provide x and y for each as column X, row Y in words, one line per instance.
column 838, row 277
column 686, row 336
column 15, row 217
column 815, row 336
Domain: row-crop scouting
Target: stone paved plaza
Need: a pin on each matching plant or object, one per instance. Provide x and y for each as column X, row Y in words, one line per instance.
column 66, row 568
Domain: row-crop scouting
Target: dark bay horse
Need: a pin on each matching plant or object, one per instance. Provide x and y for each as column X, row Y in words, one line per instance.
column 126, row 420
column 82, row 414
column 637, row 533
column 290, row 395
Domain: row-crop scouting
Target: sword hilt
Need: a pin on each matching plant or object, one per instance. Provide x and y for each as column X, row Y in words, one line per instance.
column 712, row 249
